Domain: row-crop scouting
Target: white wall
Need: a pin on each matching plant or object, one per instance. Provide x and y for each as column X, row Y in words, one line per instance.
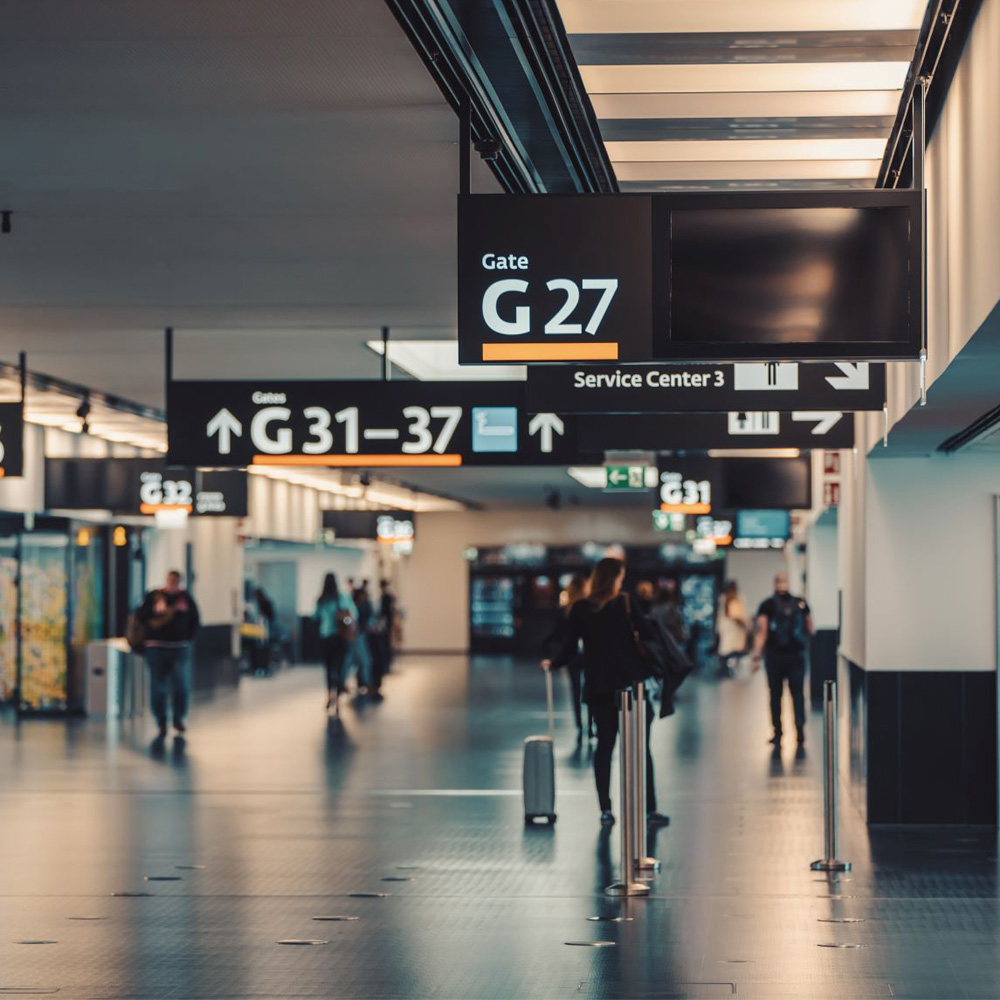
column 754, row 572
column 361, row 562
column 433, row 584
column 930, row 567
column 963, row 201
column 822, row 571
column 851, row 558
column 218, row 569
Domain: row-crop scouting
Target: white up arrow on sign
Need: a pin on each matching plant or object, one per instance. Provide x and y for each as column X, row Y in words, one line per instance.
column 545, row 425
column 825, row 419
column 855, row 376
column 225, row 425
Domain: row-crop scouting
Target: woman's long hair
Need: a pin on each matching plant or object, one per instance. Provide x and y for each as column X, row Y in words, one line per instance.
column 331, row 592
column 602, row 581
column 576, row 590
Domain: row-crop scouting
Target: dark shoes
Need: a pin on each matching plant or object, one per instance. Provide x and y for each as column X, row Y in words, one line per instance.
column 180, row 727
column 775, row 740
column 655, row 818
column 607, row 818
column 162, row 731
column 801, row 738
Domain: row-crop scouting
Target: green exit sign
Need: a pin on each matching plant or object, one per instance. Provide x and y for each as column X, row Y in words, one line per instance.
column 662, row 521
column 630, row 477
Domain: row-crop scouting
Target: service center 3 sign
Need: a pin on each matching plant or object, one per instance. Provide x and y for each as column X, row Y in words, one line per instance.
column 554, row 278
column 694, row 388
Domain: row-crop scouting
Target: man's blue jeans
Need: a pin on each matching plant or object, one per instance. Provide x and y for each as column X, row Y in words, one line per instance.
column 170, row 669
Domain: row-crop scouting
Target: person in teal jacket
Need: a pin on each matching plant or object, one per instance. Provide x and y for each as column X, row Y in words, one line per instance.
column 337, row 618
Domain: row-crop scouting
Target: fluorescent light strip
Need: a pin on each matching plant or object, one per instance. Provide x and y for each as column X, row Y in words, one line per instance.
column 743, row 150
column 774, row 104
column 746, row 77
column 628, row 16
column 754, row 453
column 817, row 170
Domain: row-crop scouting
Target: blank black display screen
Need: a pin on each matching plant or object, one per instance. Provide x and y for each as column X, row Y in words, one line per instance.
column 772, row 276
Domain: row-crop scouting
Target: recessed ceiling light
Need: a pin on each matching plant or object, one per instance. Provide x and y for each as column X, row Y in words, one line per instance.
column 437, row 361
column 592, row 476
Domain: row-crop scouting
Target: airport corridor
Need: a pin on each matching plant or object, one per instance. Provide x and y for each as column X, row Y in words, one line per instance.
column 199, row 870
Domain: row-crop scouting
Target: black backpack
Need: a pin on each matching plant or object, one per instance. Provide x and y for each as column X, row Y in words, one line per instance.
column 787, row 631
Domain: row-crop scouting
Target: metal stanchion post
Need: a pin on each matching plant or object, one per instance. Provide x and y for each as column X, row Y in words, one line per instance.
column 626, row 733
column 643, row 863
column 830, row 862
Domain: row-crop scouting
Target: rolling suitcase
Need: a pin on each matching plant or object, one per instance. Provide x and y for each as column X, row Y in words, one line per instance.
column 540, row 770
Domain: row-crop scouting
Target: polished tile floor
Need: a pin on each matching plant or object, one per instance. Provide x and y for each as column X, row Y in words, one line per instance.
column 134, row 871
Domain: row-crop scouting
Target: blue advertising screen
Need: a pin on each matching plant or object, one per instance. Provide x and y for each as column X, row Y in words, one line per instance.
column 763, row 524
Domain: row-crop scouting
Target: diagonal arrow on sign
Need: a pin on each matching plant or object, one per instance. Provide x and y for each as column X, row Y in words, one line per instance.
column 855, row 375
column 226, row 426
column 545, row 425
column 825, row 419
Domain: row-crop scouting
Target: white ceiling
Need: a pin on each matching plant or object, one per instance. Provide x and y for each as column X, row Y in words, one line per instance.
column 274, row 178
column 696, row 94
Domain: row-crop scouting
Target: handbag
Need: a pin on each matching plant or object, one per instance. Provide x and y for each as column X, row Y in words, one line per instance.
column 642, row 664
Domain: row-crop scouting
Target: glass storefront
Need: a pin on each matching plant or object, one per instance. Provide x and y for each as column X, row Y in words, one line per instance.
column 47, row 621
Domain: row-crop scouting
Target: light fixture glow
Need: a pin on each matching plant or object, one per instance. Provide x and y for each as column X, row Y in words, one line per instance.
column 743, row 150
column 677, row 78
column 754, row 453
column 706, row 16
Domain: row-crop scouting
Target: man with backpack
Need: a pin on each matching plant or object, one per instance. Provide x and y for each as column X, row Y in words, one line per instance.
column 784, row 624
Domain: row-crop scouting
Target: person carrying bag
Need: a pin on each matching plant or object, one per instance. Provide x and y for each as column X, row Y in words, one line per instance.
column 614, row 658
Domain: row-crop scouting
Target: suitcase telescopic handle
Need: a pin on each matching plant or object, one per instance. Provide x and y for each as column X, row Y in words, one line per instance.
column 549, row 700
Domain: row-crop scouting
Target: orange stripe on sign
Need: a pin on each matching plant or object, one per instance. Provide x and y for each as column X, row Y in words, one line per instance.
column 550, row 352
column 364, row 461
column 152, row 508
column 686, row 508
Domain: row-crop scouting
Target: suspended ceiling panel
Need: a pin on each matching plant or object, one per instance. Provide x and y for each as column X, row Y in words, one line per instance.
column 709, row 94
column 274, row 178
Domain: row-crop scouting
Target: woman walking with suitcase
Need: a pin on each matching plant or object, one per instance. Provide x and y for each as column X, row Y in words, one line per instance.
column 612, row 660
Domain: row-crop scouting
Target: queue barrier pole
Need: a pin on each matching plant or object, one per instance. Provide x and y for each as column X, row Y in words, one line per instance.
column 643, row 863
column 830, row 763
column 626, row 754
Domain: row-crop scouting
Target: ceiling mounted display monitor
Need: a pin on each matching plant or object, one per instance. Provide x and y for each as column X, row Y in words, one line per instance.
column 791, row 278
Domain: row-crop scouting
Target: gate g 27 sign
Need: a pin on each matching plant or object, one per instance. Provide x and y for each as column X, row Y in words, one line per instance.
column 554, row 278
column 713, row 276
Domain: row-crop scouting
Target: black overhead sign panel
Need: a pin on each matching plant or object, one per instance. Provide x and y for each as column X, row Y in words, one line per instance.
column 360, row 424
column 142, row 486
column 11, row 439
column 554, row 278
column 699, row 388
column 699, row 275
